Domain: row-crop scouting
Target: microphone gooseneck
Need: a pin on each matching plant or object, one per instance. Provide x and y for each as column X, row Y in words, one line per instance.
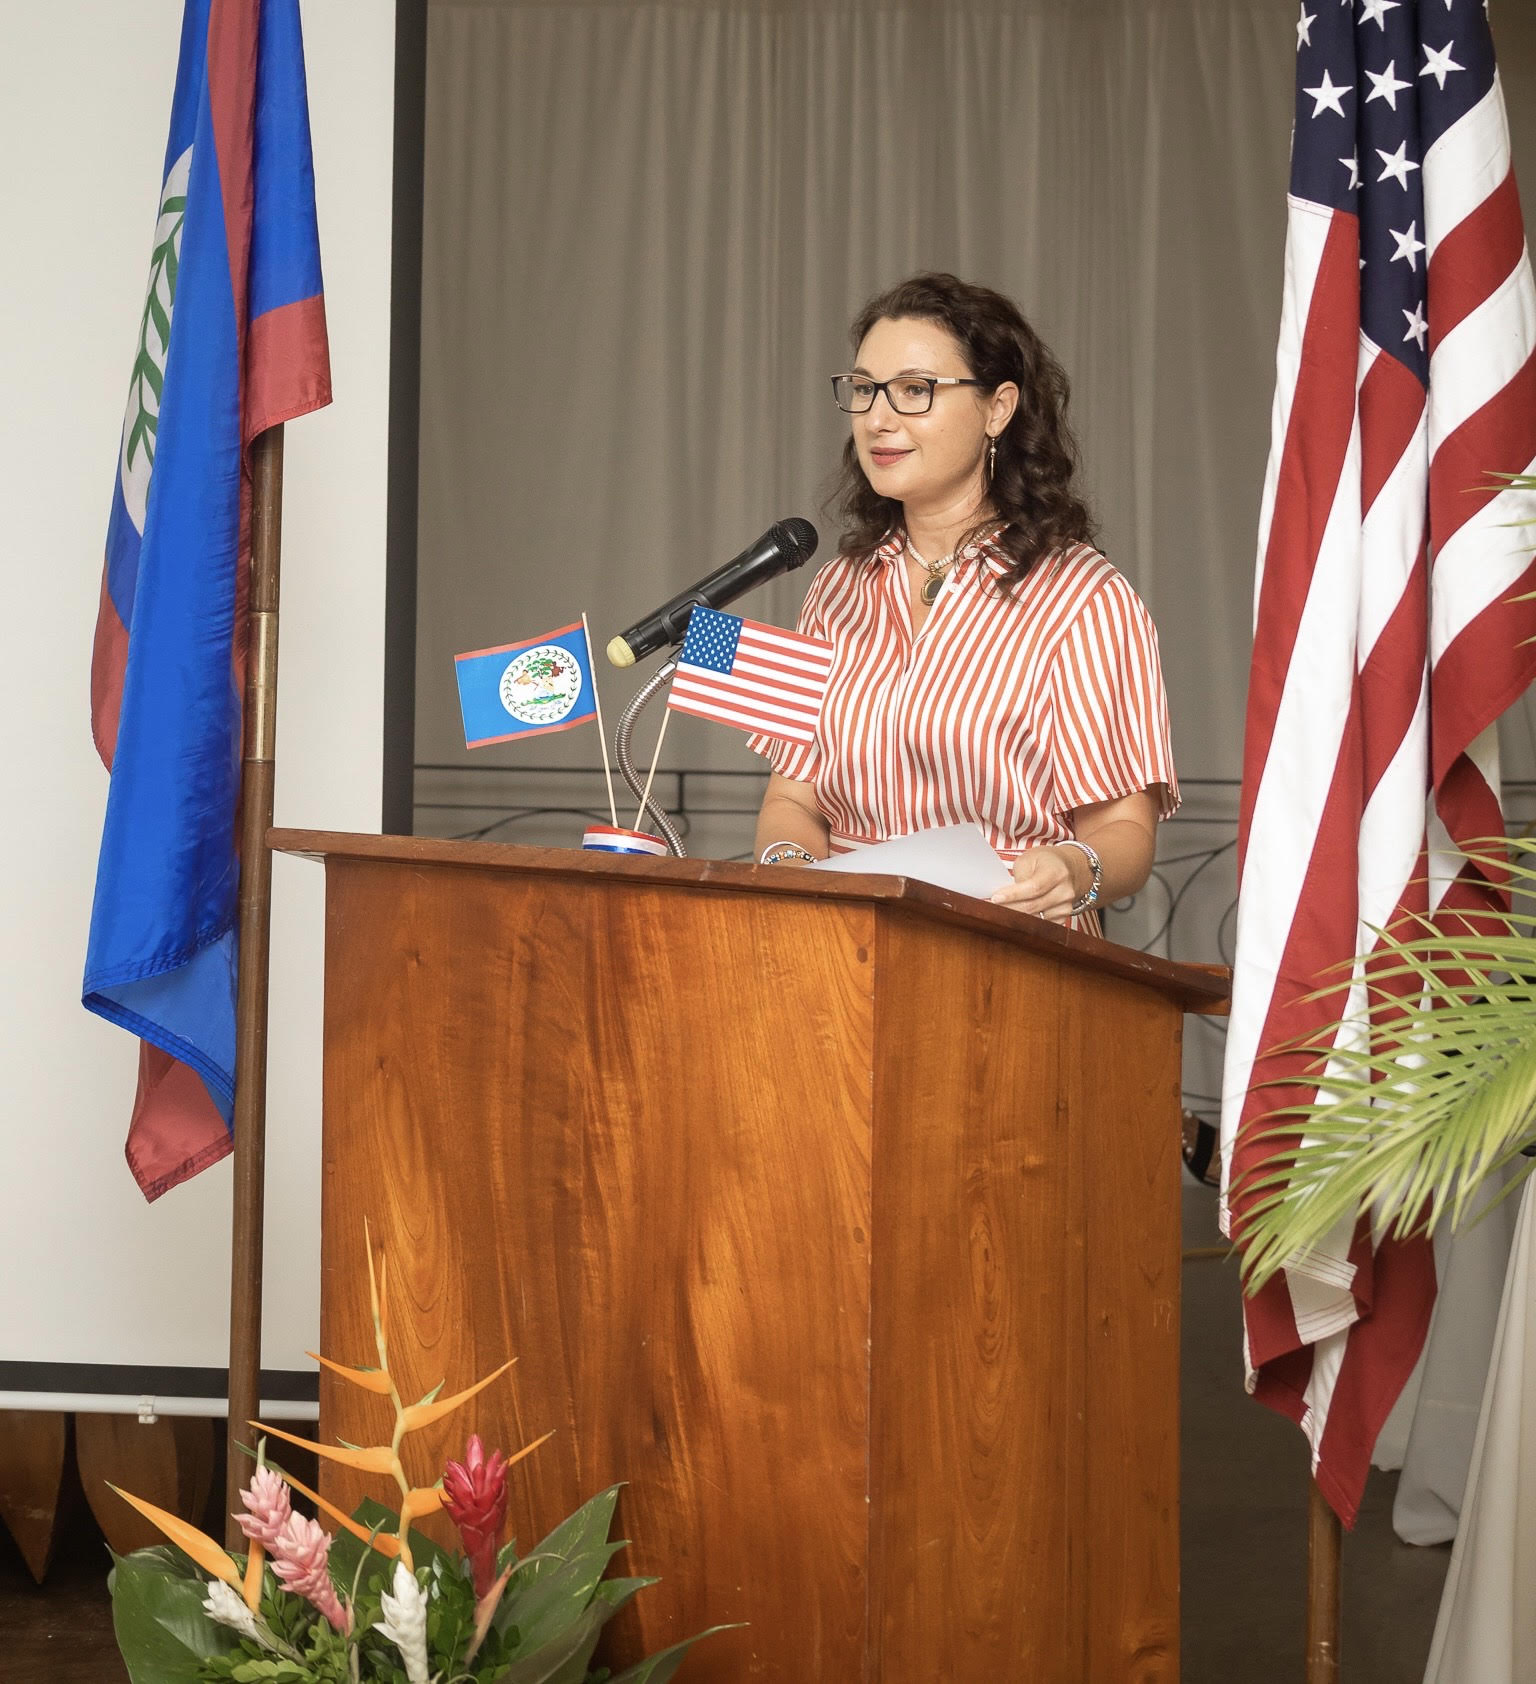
column 786, row 544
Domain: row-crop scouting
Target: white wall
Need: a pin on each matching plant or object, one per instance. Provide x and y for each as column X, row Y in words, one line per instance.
column 91, row 1273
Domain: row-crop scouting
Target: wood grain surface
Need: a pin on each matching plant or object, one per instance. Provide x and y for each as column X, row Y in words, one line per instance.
column 33, row 1447
column 168, row 1462
column 846, row 1235
column 1120, row 1099
column 624, row 1137
column 1024, row 1452
column 1197, row 988
column 971, row 1516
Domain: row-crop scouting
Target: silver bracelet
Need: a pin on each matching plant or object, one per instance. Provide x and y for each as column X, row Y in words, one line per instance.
column 1083, row 902
column 777, row 852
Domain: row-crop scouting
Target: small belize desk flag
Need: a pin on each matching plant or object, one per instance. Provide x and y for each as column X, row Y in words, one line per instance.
column 755, row 677
column 526, row 689
column 232, row 341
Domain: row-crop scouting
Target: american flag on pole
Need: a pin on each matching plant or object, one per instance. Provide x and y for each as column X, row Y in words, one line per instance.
column 1388, row 638
column 752, row 676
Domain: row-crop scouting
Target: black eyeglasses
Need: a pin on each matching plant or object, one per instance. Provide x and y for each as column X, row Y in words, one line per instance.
column 907, row 394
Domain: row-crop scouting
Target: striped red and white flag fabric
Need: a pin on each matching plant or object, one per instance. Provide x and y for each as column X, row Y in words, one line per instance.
column 1388, row 637
column 755, row 677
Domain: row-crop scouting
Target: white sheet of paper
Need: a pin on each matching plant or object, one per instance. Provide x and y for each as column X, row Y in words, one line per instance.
column 954, row 856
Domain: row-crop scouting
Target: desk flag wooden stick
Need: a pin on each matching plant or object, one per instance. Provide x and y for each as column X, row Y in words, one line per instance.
column 602, row 734
column 645, row 800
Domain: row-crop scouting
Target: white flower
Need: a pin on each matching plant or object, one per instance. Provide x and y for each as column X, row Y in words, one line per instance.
column 405, row 1622
column 225, row 1605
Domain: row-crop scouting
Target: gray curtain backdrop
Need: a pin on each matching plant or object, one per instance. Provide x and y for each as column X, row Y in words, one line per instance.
column 649, row 224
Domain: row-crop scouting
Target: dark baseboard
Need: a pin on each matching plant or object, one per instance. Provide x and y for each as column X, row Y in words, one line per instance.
column 151, row 1380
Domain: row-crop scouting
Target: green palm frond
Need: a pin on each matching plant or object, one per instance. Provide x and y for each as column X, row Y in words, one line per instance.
column 1424, row 1096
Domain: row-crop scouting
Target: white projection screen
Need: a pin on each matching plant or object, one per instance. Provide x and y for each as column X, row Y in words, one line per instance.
column 103, row 1293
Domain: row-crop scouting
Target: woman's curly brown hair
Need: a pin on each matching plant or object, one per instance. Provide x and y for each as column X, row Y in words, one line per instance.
column 1032, row 485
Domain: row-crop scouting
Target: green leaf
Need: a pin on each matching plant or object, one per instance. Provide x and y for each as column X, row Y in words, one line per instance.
column 157, row 1614
column 607, row 1599
column 139, row 438
column 578, row 1534
column 1423, row 1099
column 145, row 369
column 657, row 1669
column 543, row 1606
column 156, row 312
column 612, row 1594
column 547, row 1661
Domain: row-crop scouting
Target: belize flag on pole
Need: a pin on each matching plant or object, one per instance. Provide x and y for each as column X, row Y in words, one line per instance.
column 232, row 341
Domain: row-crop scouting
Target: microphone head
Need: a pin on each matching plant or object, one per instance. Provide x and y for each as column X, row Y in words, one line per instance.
column 619, row 653
column 797, row 537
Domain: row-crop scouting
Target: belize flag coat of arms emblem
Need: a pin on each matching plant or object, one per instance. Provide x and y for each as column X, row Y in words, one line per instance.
column 232, row 341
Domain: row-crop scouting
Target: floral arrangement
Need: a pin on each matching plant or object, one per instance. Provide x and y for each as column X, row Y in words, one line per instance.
column 377, row 1601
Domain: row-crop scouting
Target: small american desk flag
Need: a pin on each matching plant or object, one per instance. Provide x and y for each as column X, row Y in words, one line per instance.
column 752, row 676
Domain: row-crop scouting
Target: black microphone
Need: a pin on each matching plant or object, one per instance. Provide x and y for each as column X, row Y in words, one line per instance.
column 785, row 545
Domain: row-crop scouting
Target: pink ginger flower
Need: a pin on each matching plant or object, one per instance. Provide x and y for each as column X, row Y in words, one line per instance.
column 300, row 1558
column 475, row 1496
column 267, row 1508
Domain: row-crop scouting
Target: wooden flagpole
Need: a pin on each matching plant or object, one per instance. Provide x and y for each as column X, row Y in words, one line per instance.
column 602, row 735
column 1324, row 1571
column 645, row 800
column 256, row 788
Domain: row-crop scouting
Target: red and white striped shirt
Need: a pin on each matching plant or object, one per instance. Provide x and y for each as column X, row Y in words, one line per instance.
column 1004, row 710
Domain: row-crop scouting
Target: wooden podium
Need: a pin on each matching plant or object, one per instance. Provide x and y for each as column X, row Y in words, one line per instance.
column 838, row 1216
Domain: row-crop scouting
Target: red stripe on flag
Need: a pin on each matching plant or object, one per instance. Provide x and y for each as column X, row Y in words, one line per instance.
column 755, row 718
column 1283, row 1383
column 176, row 1129
column 768, row 672
column 809, row 667
column 1381, row 1352
column 1391, row 405
column 1478, row 888
column 770, row 682
column 1485, row 669
column 1392, row 679
column 109, row 661
column 288, row 364
column 232, row 48
column 1468, row 808
column 1325, row 924
column 1475, row 258
column 1274, row 1344
column 1498, row 438
column 1322, row 418
column 1322, row 934
column 763, row 714
column 233, row 34
column 687, row 679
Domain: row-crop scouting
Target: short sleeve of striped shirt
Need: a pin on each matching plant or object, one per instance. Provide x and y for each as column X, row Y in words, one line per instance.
column 1108, row 709
column 795, row 760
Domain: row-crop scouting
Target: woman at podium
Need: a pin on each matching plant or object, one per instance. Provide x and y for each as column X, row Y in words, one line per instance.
column 990, row 665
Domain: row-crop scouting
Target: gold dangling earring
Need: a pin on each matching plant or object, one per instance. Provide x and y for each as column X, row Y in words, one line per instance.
column 992, row 462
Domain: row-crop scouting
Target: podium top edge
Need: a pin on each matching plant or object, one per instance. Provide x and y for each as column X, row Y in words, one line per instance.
column 1197, row 988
